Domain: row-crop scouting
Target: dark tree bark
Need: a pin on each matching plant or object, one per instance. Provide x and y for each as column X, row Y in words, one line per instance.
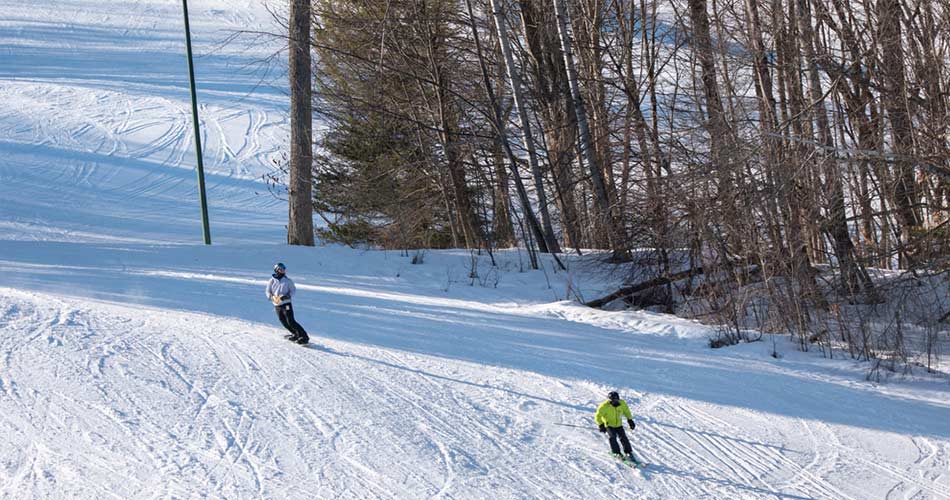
column 559, row 125
column 894, row 100
column 721, row 148
column 300, row 190
column 854, row 277
column 772, row 145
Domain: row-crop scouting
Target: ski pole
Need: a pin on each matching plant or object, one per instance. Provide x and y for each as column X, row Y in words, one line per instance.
column 572, row 425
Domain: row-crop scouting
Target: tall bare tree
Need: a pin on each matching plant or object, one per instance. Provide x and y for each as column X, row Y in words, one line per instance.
column 501, row 135
column 895, row 103
column 550, row 242
column 605, row 207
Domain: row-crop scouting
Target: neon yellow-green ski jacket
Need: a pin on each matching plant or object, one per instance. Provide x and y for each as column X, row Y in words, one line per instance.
column 610, row 416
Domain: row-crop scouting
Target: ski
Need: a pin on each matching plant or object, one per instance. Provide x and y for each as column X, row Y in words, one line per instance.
column 631, row 461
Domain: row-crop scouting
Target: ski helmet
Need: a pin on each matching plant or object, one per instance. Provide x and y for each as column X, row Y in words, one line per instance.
column 613, row 395
column 279, row 267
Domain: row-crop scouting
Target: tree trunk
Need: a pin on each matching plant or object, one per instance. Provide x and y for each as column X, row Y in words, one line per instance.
column 635, row 127
column 893, row 98
column 448, row 134
column 300, row 190
column 788, row 185
column 549, row 242
column 499, row 124
column 721, row 154
column 588, row 31
column 616, row 239
column 504, row 233
column 772, row 155
column 557, row 117
column 854, row 277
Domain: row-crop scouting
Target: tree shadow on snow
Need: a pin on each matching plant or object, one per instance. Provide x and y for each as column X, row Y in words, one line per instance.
column 430, row 322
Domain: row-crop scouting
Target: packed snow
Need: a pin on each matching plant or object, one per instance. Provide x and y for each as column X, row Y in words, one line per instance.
column 137, row 363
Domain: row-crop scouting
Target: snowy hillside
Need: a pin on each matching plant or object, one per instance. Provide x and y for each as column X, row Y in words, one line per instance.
column 96, row 122
column 137, row 363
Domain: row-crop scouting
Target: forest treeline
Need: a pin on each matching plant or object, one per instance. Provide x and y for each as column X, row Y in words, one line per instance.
column 738, row 137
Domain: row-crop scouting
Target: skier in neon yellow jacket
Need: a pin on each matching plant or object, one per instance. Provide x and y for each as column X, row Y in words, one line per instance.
column 609, row 418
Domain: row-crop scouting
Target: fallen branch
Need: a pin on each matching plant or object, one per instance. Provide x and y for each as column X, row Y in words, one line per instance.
column 744, row 276
column 742, row 270
column 646, row 285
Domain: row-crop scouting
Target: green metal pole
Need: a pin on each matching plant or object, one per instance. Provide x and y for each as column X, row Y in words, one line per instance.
column 194, row 115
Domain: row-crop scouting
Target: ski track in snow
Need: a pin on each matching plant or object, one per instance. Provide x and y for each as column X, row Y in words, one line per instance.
column 131, row 397
column 135, row 364
column 97, row 113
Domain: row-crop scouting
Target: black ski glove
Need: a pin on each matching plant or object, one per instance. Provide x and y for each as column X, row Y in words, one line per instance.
column 603, row 428
column 285, row 297
column 632, row 424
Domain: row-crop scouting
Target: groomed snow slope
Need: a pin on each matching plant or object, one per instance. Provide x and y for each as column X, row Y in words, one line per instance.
column 136, row 363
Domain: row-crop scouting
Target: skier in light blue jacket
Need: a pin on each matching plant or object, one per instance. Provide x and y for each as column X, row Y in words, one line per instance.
column 280, row 291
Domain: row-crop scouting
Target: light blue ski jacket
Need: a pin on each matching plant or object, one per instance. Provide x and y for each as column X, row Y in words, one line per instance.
column 280, row 290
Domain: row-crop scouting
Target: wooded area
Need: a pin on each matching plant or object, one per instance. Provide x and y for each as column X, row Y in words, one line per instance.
column 792, row 135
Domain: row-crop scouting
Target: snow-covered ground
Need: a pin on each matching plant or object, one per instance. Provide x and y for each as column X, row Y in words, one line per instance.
column 137, row 363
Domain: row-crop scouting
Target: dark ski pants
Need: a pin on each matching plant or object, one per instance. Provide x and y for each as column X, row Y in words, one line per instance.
column 285, row 313
column 613, row 433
